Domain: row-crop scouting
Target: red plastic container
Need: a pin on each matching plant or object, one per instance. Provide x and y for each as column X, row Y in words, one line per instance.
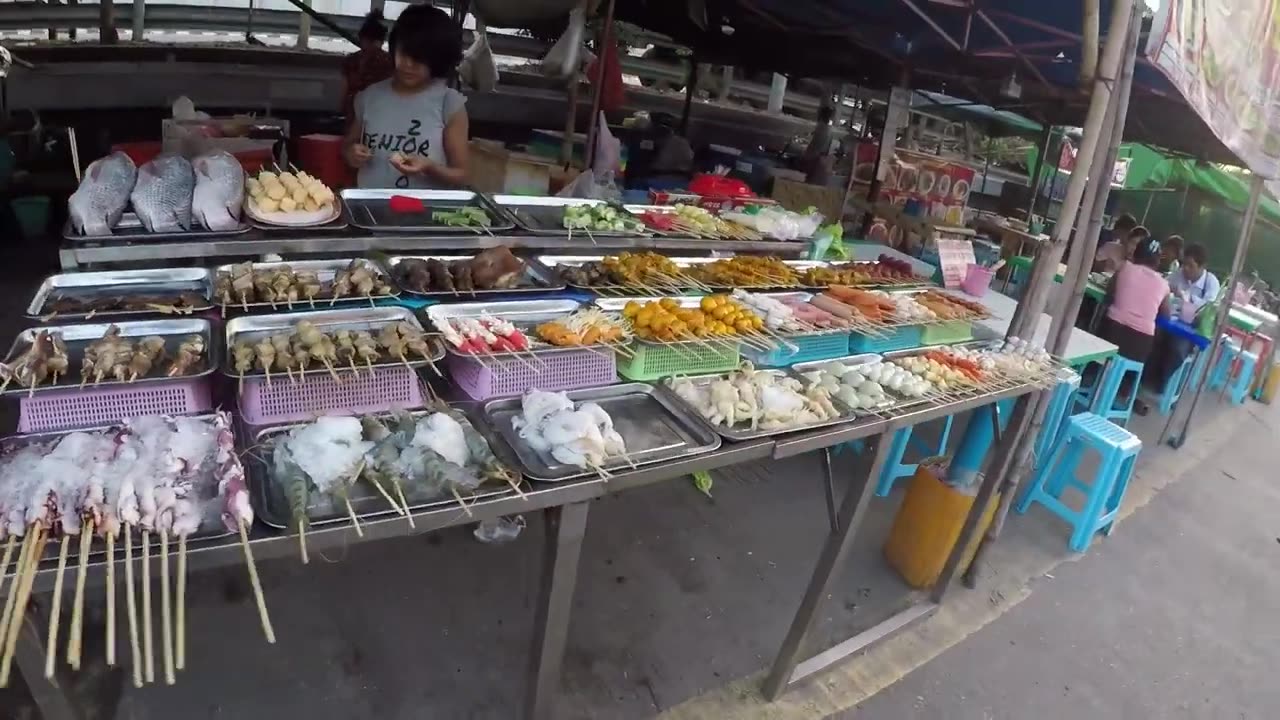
column 321, row 156
column 139, row 152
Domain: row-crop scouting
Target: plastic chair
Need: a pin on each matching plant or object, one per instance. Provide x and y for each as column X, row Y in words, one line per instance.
column 1055, row 416
column 1243, row 380
column 1118, row 454
column 1101, row 398
column 894, row 469
column 1224, row 368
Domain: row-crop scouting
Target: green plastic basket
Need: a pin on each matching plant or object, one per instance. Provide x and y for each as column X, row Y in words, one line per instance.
column 947, row 333
column 654, row 361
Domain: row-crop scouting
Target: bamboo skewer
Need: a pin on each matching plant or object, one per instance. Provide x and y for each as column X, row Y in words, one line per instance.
column 132, row 607
column 351, row 513
column 180, row 643
column 111, row 599
column 302, row 541
column 386, row 496
column 403, row 503
column 15, row 586
column 458, row 497
column 263, row 616
column 22, row 584
column 76, row 640
column 148, row 645
column 166, row 610
column 4, row 563
column 55, row 611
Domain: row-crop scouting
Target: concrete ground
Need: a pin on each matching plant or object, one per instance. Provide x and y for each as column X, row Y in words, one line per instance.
column 682, row 602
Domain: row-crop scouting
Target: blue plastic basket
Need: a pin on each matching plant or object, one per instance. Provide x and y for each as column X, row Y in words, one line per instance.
column 902, row 338
column 811, row 347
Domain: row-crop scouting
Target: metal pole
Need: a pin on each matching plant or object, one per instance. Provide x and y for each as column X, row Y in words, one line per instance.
column 561, row 548
column 139, row 11
column 777, row 93
column 690, row 87
column 304, row 28
column 1224, row 303
column 570, row 123
column 597, row 94
column 306, row 8
column 107, row 22
column 1039, row 170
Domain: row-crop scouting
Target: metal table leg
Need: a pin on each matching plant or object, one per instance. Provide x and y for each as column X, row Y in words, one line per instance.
column 565, row 527
column 50, row 697
column 857, row 497
column 830, row 490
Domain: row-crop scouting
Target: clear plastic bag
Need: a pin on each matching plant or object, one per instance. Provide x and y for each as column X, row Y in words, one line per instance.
column 608, row 157
column 587, row 185
column 499, row 530
column 478, row 68
column 565, row 57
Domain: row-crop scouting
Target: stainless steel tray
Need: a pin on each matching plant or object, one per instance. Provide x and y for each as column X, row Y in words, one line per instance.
column 131, row 228
column 552, row 263
column 655, row 430
column 325, row 270
column 273, row 510
column 369, row 209
column 892, row 399
column 160, row 282
column 744, row 432
column 256, row 327
column 798, row 265
column 525, row 315
column 205, row 490
column 78, row 337
column 543, row 215
column 537, row 279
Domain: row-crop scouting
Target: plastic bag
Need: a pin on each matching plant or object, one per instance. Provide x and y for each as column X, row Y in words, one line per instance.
column 478, row 68
column 588, row 185
column 828, row 242
column 608, row 158
column 499, row 530
column 565, row 57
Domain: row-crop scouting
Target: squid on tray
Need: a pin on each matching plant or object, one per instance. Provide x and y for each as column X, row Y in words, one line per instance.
column 581, row 435
column 438, row 454
column 765, row 400
column 153, row 474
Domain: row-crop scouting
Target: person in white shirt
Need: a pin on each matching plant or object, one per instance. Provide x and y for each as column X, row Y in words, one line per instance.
column 1193, row 283
column 1190, row 283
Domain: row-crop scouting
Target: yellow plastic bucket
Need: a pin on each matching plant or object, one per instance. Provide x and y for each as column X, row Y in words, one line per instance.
column 927, row 527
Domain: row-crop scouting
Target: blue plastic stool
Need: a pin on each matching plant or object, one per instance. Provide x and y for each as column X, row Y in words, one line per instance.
column 1240, row 384
column 1118, row 450
column 1102, row 397
column 1221, row 372
column 894, row 469
column 1055, row 417
column 1084, row 396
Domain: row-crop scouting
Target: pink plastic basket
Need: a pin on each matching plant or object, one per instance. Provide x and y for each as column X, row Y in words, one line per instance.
column 977, row 280
column 74, row 408
column 388, row 389
column 565, row 370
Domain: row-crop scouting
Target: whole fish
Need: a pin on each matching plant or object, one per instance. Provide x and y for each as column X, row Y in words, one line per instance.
column 162, row 197
column 219, row 192
column 96, row 206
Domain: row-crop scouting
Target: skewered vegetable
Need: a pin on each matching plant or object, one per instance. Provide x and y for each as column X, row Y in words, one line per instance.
column 600, row 218
column 466, row 216
column 281, row 285
column 763, row 399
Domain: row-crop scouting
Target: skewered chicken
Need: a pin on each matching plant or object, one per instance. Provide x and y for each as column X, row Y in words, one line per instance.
column 276, row 284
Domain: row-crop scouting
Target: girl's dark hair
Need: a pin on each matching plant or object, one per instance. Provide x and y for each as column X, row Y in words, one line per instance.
column 373, row 27
column 1147, row 252
column 1175, row 242
column 428, row 35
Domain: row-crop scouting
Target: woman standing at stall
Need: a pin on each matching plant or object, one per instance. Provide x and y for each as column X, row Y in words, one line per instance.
column 410, row 131
column 366, row 66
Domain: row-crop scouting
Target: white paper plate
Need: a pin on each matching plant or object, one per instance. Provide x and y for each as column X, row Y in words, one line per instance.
column 960, row 191
column 296, row 218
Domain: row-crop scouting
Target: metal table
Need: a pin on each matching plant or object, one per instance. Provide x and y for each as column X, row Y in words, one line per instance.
column 355, row 241
column 565, row 508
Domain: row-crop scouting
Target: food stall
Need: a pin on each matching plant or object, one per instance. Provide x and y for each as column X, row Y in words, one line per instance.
column 367, row 395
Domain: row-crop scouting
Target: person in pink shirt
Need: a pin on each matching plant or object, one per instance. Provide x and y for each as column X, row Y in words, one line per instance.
column 1136, row 296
